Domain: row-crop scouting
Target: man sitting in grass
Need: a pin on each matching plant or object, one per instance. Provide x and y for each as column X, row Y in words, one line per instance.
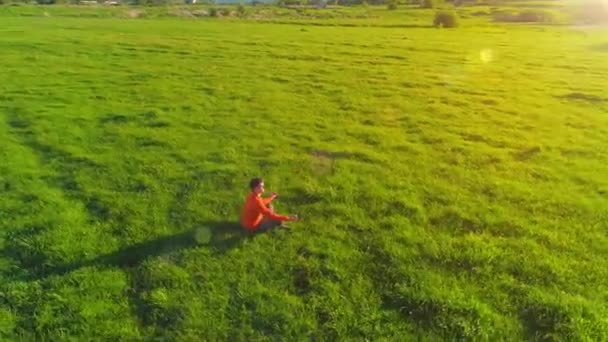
column 258, row 213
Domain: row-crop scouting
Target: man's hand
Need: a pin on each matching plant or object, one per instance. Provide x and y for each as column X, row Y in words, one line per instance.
column 293, row 218
column 273, row 196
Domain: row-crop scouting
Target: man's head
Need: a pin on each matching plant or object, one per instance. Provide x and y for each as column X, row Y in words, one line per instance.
column 257, row 185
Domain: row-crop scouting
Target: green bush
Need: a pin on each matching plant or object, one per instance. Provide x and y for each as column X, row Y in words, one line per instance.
column 213, row 12
column 445, row 19
column 392, row 5
column 225, row 12
column 428, row 3
column 240, row 10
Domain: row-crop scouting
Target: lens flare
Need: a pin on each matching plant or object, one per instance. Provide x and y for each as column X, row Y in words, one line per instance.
column 486, row 55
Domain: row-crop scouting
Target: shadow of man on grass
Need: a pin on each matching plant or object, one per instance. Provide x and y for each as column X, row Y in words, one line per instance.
column 219, row 236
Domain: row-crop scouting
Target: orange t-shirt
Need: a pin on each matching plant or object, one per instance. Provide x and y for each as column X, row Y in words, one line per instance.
column 255, row 209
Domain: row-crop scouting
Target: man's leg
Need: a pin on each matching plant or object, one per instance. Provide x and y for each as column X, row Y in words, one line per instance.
column 277, row 223
column 268, row 223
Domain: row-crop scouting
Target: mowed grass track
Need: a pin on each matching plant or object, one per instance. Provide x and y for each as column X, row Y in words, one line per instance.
column 452, row 184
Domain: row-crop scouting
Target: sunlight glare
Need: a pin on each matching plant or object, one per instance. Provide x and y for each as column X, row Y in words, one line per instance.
column 487, row 56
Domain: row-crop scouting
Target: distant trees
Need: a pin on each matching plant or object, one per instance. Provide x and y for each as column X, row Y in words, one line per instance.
column 317, row 3
column 592, row 12
column 241, row 9
column 529, row 16
column 107, row 2
column 151, row 2
column 391, row 4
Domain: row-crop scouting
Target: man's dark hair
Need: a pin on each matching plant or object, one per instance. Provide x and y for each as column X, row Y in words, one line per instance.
column 254, row 182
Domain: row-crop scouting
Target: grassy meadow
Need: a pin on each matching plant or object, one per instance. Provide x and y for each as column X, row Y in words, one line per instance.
column 452, row 183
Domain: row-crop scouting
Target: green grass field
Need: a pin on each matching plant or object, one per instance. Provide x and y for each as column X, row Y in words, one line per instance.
column 452, row 183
